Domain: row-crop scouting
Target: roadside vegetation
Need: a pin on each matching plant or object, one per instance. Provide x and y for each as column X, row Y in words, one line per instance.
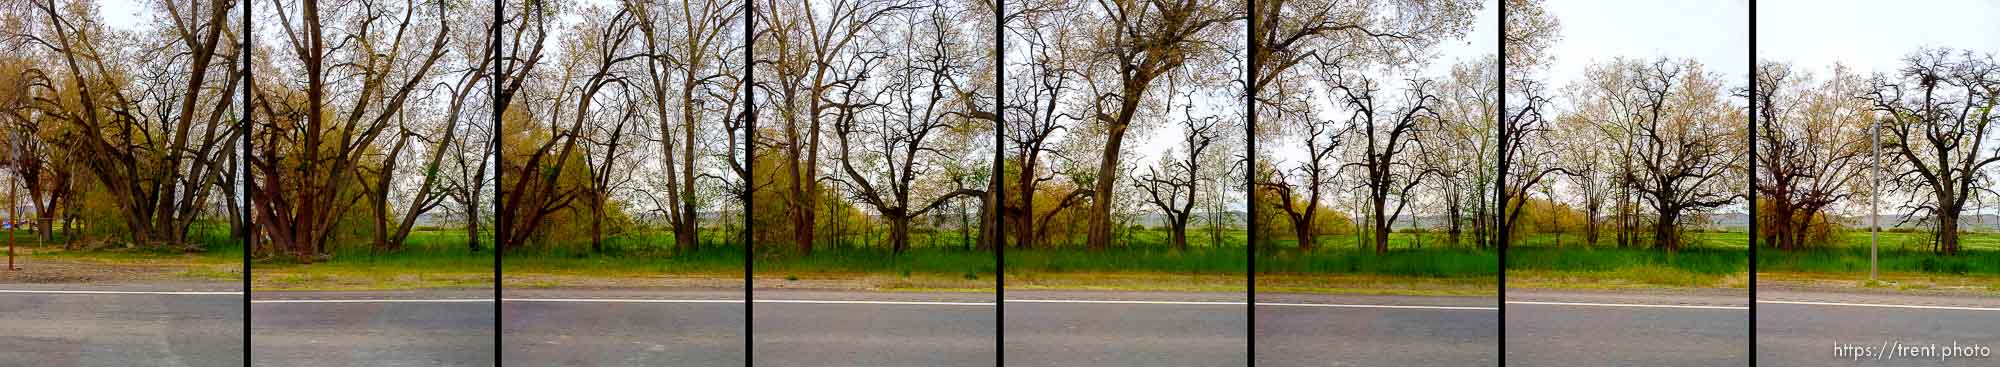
column 1821, row 178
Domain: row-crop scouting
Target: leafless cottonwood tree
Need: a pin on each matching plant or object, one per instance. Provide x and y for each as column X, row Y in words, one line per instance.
column 151, row 124
column 1301, row 188
column 1584, row 160
column 1937, row 114
column 1171, row 184
column 1530, row 31
column 598, row 50
column 1686, row 144
column 1526, row 159
column 1138, row 43
column 1388, row 134
column 687, row 48
column 1468, row 107
column 1815, row 143
column 805, row 51
column 1038, row 112
column 897, row 122
column 355, row 88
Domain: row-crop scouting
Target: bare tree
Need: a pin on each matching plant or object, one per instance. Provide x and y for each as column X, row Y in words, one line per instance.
column 151, row 120
column 684, row 68
column 1386, row 133
column 806, row 54
column 1815, row 142
column 1685, row 145
column 1938, row 111
column 1171, row 184
column 1138, row 43
column 918, row 103
column 598, row 48
column 1314, row 177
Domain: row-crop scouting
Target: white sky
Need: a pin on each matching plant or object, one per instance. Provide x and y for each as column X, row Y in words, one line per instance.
column 1481, row 41
column 123, row 14
column 1871, row 36
column 1715, row 33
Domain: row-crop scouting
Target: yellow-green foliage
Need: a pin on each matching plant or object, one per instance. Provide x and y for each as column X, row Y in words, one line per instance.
column 1544, row 216
column 1818, row 233
column 772, row 213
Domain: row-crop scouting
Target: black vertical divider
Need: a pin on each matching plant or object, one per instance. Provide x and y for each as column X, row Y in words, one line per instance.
column 1500, row 185
column 499, row 166
column 749, row 165
column 1751, row 137
column 1000, row 182
column 1250, row 179
column 249, row 231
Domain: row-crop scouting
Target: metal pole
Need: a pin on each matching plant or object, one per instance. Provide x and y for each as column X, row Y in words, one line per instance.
column 1875, row 200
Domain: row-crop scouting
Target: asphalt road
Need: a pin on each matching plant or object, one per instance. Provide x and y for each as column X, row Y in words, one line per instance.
column 1605, row 329
column 1803, row 329
column 1180, row 329
column 66, row 329
column 623, row 328
column 1325, row 330
column 873, row 329
column 408, row 328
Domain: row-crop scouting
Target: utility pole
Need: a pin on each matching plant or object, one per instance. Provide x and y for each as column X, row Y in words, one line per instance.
column 1875, row 199
column 15, row 149
column 12, row 214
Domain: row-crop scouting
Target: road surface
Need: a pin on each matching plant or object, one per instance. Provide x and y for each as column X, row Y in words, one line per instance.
column 121, row 325
column 1706, row 328
column 1803, row 328
column 1054, row 328
column 375, row 328
column 1327, row 330
column 545, row 327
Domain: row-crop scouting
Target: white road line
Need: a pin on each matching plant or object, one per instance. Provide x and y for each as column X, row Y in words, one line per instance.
column 1474, row 308
column 806, row 301
column 622, row 300
column 447, row 300
column 1883, row 305
column 1194, row 303
column 175, row 293
column 864, row 302
column 1638, row 305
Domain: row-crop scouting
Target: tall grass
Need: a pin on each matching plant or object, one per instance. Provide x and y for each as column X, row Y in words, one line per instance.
column 1899, row 252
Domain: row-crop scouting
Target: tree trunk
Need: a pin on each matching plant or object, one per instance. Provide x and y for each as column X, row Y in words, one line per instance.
column 1665, row 235
column 1101, row 200
column 1180, row 235
column 472, row 228
column 899, row 234
column 1304, row 231
column 1948, row 230
column 1381, row 226
column 597, row 223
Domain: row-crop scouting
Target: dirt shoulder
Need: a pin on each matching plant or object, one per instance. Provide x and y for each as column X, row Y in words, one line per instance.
column 88, row 269
column 1886, row 283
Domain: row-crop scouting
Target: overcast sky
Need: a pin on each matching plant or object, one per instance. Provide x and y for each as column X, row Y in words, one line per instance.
column 1871, row 36
column 1713, row 32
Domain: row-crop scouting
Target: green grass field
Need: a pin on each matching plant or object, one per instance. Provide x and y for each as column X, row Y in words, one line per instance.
column 216, row 244
column 1707, row 259
column 429, row 259
column 1898, row 252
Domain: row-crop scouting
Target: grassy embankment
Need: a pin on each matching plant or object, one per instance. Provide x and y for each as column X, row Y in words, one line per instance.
column 1142, row 262
column 1904, row 262
column 1706, row 260
column 429, row 259
column 212, row 256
